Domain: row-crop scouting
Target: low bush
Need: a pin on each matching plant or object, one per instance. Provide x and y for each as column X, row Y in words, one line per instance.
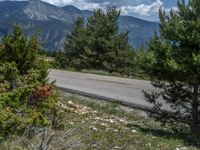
column 26, row 97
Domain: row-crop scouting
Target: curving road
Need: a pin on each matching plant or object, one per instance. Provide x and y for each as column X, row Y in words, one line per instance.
column 123, row 90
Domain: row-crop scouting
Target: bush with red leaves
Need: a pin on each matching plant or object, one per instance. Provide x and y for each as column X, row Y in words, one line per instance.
column 41, row 93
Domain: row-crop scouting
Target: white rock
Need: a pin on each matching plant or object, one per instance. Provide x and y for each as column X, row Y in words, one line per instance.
column 93, row 128
column 103, row 124
column 70, row 102
column 181, row 148
column 148, row 144
column 117, row 147
column 134, row 131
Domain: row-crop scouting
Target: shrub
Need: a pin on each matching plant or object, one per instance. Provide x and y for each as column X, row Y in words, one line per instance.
column 26, row 98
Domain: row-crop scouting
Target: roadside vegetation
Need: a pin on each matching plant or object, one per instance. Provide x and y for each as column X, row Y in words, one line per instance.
column 171, row 60
column 94, row 124
column 27, row 99
column 174, row 57
column 31, row 107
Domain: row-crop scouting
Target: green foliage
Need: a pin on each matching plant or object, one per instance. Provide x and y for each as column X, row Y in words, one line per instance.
column 16, row 102
column 26, row 98
column 17, row 49
column 97, row 44
column 61, row 60
column 174, row 57
column 76, row 45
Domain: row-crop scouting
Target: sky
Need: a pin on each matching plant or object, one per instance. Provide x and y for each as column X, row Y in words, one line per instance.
column 145, row 9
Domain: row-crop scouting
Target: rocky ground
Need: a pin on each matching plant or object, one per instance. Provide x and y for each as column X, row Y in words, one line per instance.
column 99, row 125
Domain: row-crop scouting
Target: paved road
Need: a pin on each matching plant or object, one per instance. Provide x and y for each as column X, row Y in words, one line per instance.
column 126, row 91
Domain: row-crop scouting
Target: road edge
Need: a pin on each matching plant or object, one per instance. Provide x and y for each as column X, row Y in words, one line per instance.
column 104, row 98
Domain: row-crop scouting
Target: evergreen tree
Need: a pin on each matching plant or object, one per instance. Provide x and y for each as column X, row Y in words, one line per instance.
column 76, row 45
column 17, row 49
column 173, row 63
column 121, row 55
column 61, row 60
column 97, row 44
column 102, row 29
column 26, row 98
column 109, row 47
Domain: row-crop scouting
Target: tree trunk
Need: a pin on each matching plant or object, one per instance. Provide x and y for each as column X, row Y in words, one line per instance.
column 195, row 124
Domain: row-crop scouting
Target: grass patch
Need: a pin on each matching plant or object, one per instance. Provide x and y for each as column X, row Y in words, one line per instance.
column 92, row 124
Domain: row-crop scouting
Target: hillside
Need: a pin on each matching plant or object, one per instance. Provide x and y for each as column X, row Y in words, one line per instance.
column 53, row 23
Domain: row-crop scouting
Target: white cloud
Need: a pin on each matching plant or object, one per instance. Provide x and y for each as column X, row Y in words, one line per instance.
column 146, row 9
column 91, row 6
column 88, row 6
column 169, row 9
column 60, row 2
column 143, row 9
column 81, row 4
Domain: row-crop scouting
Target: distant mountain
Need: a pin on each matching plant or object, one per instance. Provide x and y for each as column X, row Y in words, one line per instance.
column 53, row 23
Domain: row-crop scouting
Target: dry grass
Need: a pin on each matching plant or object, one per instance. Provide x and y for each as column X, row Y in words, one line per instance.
column 91, row 124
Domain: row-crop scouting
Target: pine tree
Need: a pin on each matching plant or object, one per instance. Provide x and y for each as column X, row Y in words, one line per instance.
column 109, row 47
column 26, row 98
column 101, row 28
column 97, row 43
column 76, row 45
column 121, row 55
column 173, row 63
column 17, row 49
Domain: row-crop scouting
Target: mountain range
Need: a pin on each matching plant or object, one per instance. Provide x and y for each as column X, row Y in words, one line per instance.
column 53, row 23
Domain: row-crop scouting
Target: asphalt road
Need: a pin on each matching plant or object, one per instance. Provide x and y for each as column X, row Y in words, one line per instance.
column 123, row 90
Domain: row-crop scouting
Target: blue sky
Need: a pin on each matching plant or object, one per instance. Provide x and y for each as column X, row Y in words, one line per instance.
column 145, row 9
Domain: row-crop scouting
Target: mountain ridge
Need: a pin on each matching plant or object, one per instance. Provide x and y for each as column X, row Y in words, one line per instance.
column 53, row 22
